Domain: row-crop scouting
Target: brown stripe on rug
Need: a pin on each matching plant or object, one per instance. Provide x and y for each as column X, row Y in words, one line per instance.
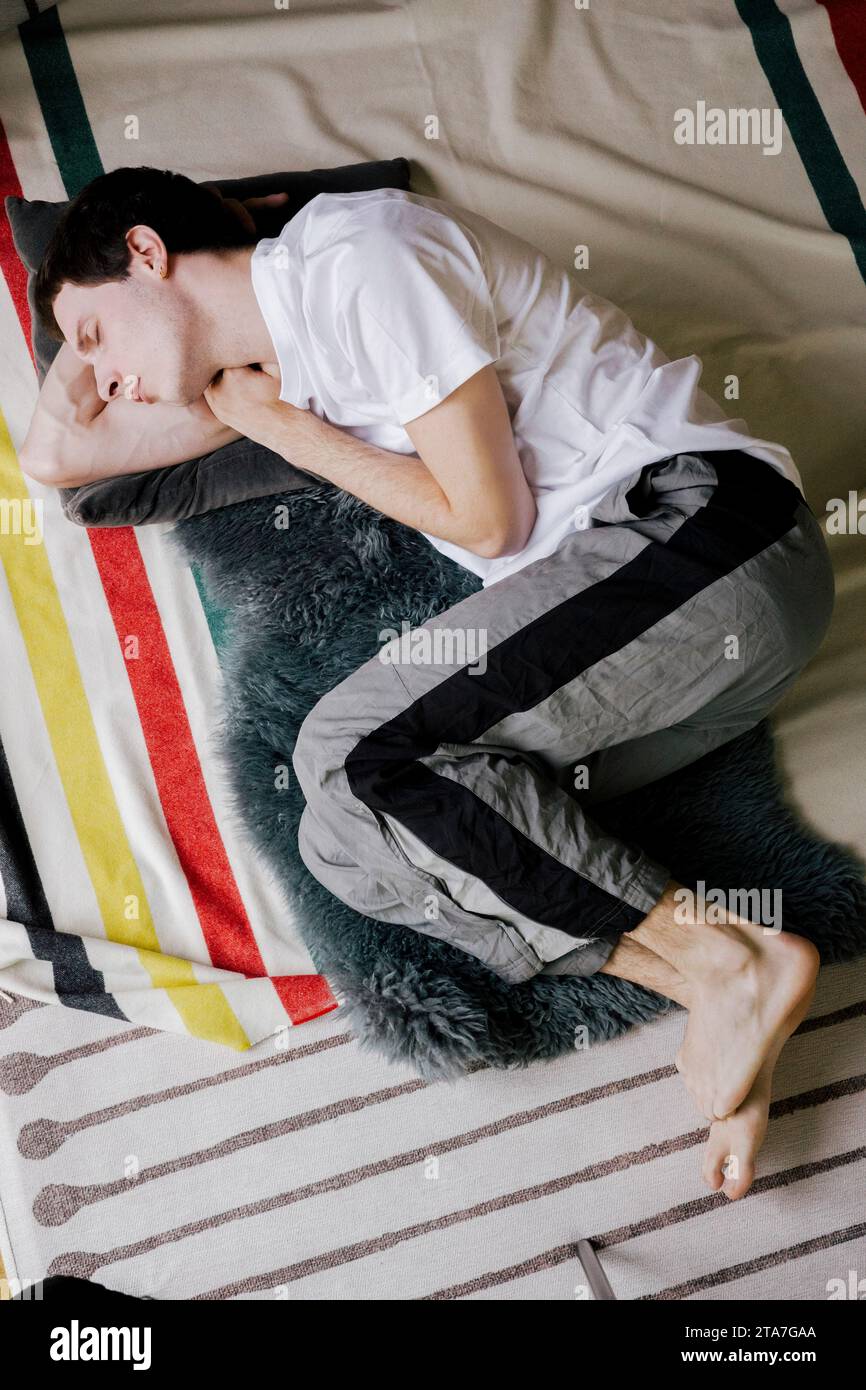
column 39, row 1139
column 12, row 1006
column 59, row 1202
column 769, row 1261
column 21, row 1071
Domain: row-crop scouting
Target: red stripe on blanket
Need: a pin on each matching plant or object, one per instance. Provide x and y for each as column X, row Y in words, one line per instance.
column 304, row 996
column 848, row 22
column 173, row 755
column 13, row 271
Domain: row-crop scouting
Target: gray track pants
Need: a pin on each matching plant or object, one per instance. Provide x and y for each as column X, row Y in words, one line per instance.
column 448, row 779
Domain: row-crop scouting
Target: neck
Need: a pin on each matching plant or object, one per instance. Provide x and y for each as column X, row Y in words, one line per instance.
column 238, row 334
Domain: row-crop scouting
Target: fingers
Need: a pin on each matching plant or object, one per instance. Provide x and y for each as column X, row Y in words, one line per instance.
column 263, row 200
column 266, row 200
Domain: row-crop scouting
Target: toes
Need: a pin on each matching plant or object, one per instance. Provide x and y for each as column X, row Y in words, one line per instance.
column 739, row 1176
column 715, row 1156
column 724, row 1167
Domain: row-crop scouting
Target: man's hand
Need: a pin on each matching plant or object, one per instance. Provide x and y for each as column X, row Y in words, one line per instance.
column 247, row 399
column 260, row 216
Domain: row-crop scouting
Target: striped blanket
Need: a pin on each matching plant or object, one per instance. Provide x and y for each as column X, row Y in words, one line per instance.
column 128, row 888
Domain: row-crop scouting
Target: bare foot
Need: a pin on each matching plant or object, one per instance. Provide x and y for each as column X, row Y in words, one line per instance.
column 733, row 1143
column 749, row 992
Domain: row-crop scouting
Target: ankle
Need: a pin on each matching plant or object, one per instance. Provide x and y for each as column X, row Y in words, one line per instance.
column 693, row 947
column 680, row 989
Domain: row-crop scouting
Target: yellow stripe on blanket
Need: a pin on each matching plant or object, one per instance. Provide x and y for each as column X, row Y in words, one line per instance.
column 105, row 848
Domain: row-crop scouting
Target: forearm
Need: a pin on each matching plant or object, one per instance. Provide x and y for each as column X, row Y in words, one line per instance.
column 68, row 402
column 76, row 437
column 130, row 437
column 400, row 485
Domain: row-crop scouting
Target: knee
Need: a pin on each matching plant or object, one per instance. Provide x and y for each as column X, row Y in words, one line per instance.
column 343, row 718
column 336, row 724
column 335, row 818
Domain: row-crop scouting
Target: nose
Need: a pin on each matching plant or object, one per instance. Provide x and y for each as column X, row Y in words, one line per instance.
column 110, row 385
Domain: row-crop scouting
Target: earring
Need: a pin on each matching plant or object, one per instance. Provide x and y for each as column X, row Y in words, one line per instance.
column 162, row 272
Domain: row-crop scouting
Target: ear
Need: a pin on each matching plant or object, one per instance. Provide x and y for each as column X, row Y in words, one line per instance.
column 147, row 251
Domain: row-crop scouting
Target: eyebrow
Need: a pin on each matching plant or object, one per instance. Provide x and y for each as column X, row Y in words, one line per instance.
column 78, row 337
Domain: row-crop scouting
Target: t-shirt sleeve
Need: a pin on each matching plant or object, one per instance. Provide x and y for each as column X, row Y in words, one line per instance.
column 414, row 315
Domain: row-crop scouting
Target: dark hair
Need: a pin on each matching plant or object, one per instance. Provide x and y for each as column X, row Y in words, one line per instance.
column 88, row 246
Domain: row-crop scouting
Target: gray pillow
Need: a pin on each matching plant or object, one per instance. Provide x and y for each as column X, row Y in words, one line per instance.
column 237, row 471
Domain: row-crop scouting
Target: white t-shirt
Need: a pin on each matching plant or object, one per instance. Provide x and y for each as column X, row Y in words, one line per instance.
column 380, row 304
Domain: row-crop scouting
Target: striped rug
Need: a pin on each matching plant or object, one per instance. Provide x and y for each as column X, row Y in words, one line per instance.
column 308, row 1168
column 303, row 1172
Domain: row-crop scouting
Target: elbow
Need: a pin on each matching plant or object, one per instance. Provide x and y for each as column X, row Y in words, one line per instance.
column 507, row 538
column 45, row 468
column 495, row 545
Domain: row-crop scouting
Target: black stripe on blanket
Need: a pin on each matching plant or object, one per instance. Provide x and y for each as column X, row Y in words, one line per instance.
column 76, row 982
